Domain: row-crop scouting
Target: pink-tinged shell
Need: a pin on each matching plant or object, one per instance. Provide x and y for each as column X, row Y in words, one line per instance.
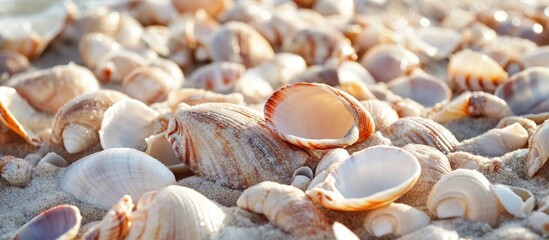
column 286, row 207
column 382, row 113
column 527, row 92
column 362, row 182
column 217, row 77
column 423, row 131
column 386, row 62
column 425, row 89
column 317, row 116
column 12, row 62
column 474, row 71
column 93, row 47
column 472, row 104
column 252, row 153
column 213, row 8
column 245, row 12
column 59, row 222
column 115, row 224
column 342, row 8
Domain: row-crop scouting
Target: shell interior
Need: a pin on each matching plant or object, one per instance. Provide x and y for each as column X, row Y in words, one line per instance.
column 60, row 222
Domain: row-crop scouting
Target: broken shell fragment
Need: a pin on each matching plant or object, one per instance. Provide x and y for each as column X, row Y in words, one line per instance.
column 519, row 202
column 498, row 141
column 15, row 113
column 115, row 224
column 539, row 152
column 423, row 131
column 396, row 219
column 474, row 71
column 527, row 91
column 472, row 104
column 59, row 222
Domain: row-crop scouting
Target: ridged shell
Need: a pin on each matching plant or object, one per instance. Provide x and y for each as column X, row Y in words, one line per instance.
column 115, row 224
column 252, row 153
column 424, row 131
column 176, row 212
column 317, row 116
column 497, row 142
column 527, row 91
column 76, row 124
column 434, row 165
column 382, row 113
column 386, row 62
column 149, row 84
column 360, row 182
column 217, row 77
column 519, row 202
column 104, row 177
column 474, row 71
column 539, row 152
column 464, row 193
column 472, row 104
column 425, row 89
column 395, row 220
column 286, row 207
column 59, row 222
column 14, row 111
column 193, row 96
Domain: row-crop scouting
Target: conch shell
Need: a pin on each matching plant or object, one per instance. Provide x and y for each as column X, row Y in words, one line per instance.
column 59, row 222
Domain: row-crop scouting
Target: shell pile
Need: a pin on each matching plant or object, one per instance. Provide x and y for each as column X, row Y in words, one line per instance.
column 329, row 119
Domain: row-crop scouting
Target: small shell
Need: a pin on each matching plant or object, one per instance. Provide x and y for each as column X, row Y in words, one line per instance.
column 159, row 148
column 331, row 159
column 12, row 62
column 386, row 62
column 474, row 71
column 321, row 118
column 345, row 8
column 519, row 202
column 93, row 47
column 434, row 165
column 435, row 42
column 341, row 232
column 245, row 11
column 526, row 92
column 218, row 77
column 382, row 113
column 283, row 22
column 478, row 36
column 253, row 87
column 59, row 222
column 539, row 152
column 508, row 52
column 115, row 224
column 472, row 104
column 149, row 84
column 302, row 177
column 14, row 113
column 286, row 207
column 396, row 219
column 279, row 70
column 104, row 177
column 424, row 131
column 117, row 65
column 54, row 159
column 539, row 221
column 474, row 162
column 76, row 124
column 192, row 96
column 526, row 123
column 464, row 193
column 406, row 107
column 152, row 12
column 48, row 90
column 213, row 8
column 252, row 152
column 339, row 190
column 425, row 89
column 17, row 171
column 536, row 57
column 375, row 33
column 497, row 142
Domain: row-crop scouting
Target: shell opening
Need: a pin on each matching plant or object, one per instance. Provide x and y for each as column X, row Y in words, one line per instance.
column 383, row 225
column 450, row 208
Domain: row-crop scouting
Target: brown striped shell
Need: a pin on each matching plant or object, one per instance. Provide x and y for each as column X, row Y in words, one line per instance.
column 423, row 131
column 470, row 70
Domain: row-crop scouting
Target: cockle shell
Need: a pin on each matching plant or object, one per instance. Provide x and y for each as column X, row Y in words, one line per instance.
column 48, row 90
column 252, row 153
column 424, row 131
column 387, row 61
column 16, row 171
column 323, row 118
column 59, row 222
column 193, row 96
column 176, row 212
column 395, row 220
column 519, row 202
column 340, row 189
column 498, row 141
column 434, row 165
column 472, row 104
column 159, row 148
column 76, row 124
column 218, row 77
column 474, row 71
column 93, row 47
column 104, row 177
column 539, row 152
column 526, row 92
column 212, row 8
column 12, row 62
column 14, row 114
column 464, row 193
column 286, row 207
column 425, row 89
column 115, row 224
column 117, row 65
column 382, row 113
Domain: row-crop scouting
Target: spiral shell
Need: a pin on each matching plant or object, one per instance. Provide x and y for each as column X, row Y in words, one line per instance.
column 474, row 71
column 472, row 104
column 538, row 152
column 395, row 220
column 59, row 222
column 424, row 131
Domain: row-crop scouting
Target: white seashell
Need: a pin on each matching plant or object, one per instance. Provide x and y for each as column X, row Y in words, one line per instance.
column 539, row 221
column 425, row 89
column 59, row 222
column 474, row 162
column 16, row 171
column 474, row 71
column 15, row 113
column 395, row 220
column 464, row 193
column 435, row 42
column 345, row 8
column 434, row 165
column 526, row 123
column 406, row 107
column 286, row 207
column 245, row 11
column 149, row 84
column 432, row 232
column 478, row 36
column 117, row 65
column 104, row 177
column 150, row 12
column 317, row 116
column 95, row 46
column 526, row 92
column 213, row 8
column 193, row 96
column 341, row 232
column 387, row 61
column 279, row 70
column 302, row 178
column 253, row 87
column 472, row 104
column 497, row 142
column 54, row 159
column 159, row 148
column 382, row 113
column 519, row 202
column 458, row 19
column 508, row 52
column 115, row 224
column 331, row 158
column 365, row 168
column 218, row 77
column 129, row 31
column 535, row 57
column 544, row 205
column 126, row 124
column 538, row 153
column 423, row 131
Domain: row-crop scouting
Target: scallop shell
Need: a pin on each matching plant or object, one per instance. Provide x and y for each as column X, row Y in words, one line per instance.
column 425, row 89
column 115, row 66
column 386, row 62
column 159, row 148
column 76, row 124
column 538, row 153
column 48, row 90
column 115, row 224
column 472, row 104
column 286, row 207
column 395, row 220
column 319, row 46
column 424, row 131
column 59, row 222
column 104, row 177
column 218, row 77
column 93, row 47
column 193, row 96
column 340, row 120
column 14, row 113
column 339, row 190
column 434, row 165
column 149, row 84
column 474, row 71
column 464, row 193
column 498, row 141
column 12, row 62
column 526, row 92
column 382, row 113
column 519, row 202
column 252, row 153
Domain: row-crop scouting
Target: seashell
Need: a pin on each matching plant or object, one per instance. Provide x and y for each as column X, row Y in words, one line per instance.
column 283, row 22
column 117, row 65
column 286, row 207
column 299, row 125
column 158, row 38
column 15, row 113
column 434, row 165
column 539, row 221
column 386, row 62
column 16, row 171
column 149, row 84
column 344, row 8
column 252, row 153
column 478, row 36
column 95, row 46
column 432, row 232
column 254, row 88
column 76, row 124
column 474, row 71
column 48, row 90
column 115, row 224
column 166, row 214
column 159, row 148
column 302, row 177
column 279, row 70
column 239, row 43
column 425, row 89
column 338, row 190
column 375, row 33
column 152, row 12
column 544, row 205
column 458, row 19
column 126, row 124
column 406, row 107
column 535, row 57
column 194, row 29
column 218, row 77
column 192, row 96
column 213, row 8
column 395, row 220
column 435, row 42
column 424, row 131
column 330, row 160
column 129, row 31
column 526, row 123
column 171, row 68
column 53, row 159
column 472, row 104
column 12, row 62
column 59, row 222
column 341, row 232
column 497, row 142
column 382, row 113
column 102, row 178
column 245, row 11
column 519, row 202
column 319, row 46
column 464, row 193
column 508, row 52
column 474, row 162
column 525, row 93
column 538, row 154
column 101, row 19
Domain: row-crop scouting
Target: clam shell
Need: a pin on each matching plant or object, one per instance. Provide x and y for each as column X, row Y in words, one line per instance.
column 425, row 89
column 340, row 189
column 386, row 62
column 497, row 141
column 252, row 153
column 395, row 220
column 474, row 71
column 434, row 165
column 472, row 104
column 317, row 116
column 538, row 151
column 423, row 131
column 218, row 77
column 519, row 202
column 59, row 222
column 115, row 224
column 193, row 96
column 14, row 111
column 104, row 177
column 382, row 113
column 406, row 107
column 526, row 92
column 93, row 47
column 464, row 193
